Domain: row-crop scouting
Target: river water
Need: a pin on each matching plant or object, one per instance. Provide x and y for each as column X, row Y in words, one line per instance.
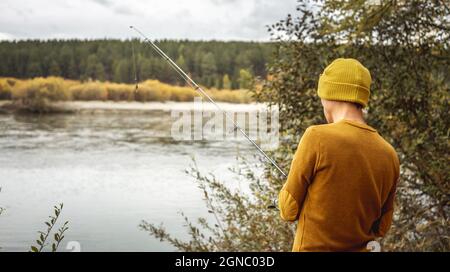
column 111, row 169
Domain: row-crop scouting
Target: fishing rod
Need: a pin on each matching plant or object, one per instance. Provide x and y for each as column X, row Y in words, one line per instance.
column 196, row 87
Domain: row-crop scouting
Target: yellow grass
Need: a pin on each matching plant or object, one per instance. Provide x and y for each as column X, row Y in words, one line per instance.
column 51, row 89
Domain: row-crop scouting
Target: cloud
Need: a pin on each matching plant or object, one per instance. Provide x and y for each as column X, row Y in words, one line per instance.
column 173, row 19
column 221, row 2
column 6, row 37
column 106, row 3
column 127, row 10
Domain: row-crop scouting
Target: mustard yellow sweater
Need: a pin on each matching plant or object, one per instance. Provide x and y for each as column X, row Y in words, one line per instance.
column 340, row 188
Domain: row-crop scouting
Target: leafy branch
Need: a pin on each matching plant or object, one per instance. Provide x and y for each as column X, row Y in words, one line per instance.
column 44, row 235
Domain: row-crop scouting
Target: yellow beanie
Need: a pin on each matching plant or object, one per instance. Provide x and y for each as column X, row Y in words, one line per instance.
column 345, row 80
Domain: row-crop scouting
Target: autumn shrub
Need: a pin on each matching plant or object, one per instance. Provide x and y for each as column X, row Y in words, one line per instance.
column 146, row 93
column 120, row 92
column 43, row 91
column 159, row 91
column 52, row 88
column 5, row 90
column 89, row 91
column 231, row 96
column 37, row 94
column 183, row 94
column 162, row 92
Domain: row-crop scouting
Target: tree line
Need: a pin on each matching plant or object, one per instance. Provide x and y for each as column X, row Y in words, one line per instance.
column 218, row 64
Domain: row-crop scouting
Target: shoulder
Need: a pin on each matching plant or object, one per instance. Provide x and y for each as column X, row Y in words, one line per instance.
column 392, row 154
column 311, row 131
column 313, row 134
column 319, row 130
column 390, row 149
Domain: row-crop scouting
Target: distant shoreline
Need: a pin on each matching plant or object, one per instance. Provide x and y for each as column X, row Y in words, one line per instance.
column 8, row 107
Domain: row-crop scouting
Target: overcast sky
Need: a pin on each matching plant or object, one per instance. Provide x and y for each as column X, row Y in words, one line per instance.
column 175, row 19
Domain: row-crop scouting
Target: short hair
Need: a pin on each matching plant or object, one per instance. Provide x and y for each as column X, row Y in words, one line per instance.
column 358, row 106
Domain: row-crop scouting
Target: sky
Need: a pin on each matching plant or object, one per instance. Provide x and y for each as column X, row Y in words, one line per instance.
column 172, row 19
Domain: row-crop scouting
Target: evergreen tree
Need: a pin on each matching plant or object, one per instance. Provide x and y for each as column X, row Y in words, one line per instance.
column 226, row 83
column 121, row 72
column 99, row 72
column 208, row 65
column 65, row 56
column 91, row 66
column 72, row 72
column 54, row 69
column 208, row 69
column 181, row 62
column 146, row 69
column 206, row 61
column 34, row 70
column 245, row 79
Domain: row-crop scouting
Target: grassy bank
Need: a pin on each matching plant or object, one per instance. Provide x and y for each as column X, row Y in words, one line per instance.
column 38, row 94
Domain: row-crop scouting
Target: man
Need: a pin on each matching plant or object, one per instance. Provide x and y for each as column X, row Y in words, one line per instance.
column 343, row 176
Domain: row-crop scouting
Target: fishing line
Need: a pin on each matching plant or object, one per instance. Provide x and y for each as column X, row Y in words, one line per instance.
column 196, row 87
column 135, row 68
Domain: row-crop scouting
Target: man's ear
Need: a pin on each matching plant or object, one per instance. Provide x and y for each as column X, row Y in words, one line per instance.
column 322, row 101
column 358, row 106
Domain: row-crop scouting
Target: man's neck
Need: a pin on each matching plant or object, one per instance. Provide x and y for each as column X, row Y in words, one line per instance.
column 347, row 112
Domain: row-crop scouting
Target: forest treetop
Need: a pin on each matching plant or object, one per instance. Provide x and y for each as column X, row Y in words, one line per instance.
column 219, row 64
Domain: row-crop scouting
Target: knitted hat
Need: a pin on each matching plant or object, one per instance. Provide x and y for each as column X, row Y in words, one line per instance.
column 345, row 80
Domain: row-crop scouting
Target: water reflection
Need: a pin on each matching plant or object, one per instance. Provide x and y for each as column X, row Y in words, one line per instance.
column 111, row 170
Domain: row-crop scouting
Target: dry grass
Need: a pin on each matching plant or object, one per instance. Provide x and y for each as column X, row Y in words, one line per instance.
column 41, row 91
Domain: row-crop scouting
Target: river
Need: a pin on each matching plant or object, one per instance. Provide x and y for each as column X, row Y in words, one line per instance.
column 111, row 169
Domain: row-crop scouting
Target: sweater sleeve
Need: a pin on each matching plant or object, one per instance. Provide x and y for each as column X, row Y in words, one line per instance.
column 384, row 222
column 301, row 174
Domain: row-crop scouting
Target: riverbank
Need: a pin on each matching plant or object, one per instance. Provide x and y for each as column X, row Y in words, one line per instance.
column 47, row 95
column 8, row 107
